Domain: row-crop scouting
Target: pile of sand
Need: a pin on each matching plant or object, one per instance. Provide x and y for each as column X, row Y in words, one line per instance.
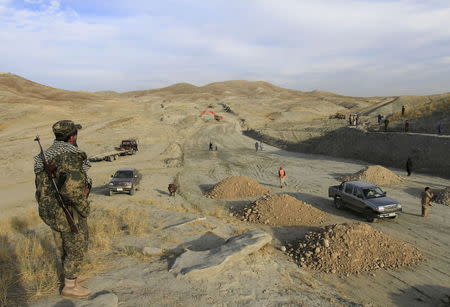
column 352, row 248
column 282, row 210
column 374, row 174
column 443, row 197
column 237, row 187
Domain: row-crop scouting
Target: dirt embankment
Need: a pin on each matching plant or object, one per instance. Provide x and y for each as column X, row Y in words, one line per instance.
column 374, row 174
column 428, row 152
column 352, row 248
column 282, row 210
column 237, row 187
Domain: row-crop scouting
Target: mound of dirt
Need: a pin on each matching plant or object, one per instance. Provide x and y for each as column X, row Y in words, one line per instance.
column 443, row 197
column 374, row 174
column 352, row 248
column 282, row 210
column 237, row 187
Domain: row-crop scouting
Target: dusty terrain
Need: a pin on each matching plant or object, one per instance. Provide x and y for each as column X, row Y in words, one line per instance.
column 173, row 142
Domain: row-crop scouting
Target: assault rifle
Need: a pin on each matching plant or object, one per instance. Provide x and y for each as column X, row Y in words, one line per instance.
column 51, row 177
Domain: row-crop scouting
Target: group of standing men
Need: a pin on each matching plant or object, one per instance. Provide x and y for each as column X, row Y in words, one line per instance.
column 258, row 146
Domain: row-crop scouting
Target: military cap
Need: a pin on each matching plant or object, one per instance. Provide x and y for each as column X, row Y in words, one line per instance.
column 64, row 128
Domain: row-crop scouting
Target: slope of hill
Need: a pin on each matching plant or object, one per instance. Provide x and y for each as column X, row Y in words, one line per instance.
column 15, row 88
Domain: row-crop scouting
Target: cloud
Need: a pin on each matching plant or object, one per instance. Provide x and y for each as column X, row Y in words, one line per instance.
column 351, row 47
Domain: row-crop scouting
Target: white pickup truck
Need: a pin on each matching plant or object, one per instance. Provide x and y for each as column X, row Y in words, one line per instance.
column 366, row 198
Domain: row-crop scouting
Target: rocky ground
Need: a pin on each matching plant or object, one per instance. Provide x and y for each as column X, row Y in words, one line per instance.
column 173, row 142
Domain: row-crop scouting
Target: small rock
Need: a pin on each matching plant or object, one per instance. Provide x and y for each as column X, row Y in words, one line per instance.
column 152, row 251
column 326, row 243
column 283, row 248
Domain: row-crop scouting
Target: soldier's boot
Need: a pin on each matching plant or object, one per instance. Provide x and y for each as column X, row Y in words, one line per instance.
column 72, row 289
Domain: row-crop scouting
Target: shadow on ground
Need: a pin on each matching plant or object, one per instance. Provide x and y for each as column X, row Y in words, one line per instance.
column 422, row 295
column 99, row 190
column 287, row 234
column 207, row 241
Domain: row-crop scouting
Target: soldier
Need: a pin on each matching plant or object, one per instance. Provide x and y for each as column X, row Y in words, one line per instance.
column 69, row 167
column 427, row 196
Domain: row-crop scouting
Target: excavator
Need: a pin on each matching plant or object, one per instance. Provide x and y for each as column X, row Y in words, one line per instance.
column 216, row 117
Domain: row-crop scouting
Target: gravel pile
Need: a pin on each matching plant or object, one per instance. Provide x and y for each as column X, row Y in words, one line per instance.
column 237, row 187
column 374, row 174
column 443, row 197
column 282, row 210
column 352, row 248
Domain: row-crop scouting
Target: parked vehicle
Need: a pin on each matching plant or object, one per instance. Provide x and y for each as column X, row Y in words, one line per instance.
column 130, row 144
column 125, row 180
column 366, row 198
column 126, row 147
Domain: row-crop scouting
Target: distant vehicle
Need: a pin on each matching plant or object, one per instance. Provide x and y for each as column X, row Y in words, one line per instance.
column 125, row 180
column 126, row 147
column 130, row 144
column 366, row 198
column 216, row 117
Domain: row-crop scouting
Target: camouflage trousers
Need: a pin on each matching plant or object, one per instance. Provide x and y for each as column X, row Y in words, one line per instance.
column 71, row 248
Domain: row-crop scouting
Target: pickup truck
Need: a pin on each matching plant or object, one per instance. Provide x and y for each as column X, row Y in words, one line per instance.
column 366, row 198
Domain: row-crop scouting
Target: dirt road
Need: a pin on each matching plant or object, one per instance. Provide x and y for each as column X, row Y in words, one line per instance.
column 308, row 179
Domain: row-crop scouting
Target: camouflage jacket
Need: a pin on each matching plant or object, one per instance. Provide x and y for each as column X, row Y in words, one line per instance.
column 70, row 166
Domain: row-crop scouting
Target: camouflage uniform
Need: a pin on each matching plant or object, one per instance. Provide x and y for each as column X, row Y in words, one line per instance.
column 70, row 166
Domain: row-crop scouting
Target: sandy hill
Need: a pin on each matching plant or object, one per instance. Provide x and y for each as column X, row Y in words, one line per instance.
column 223, row 89
column 14, row 88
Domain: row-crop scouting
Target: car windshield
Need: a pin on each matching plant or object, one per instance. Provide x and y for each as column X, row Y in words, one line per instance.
column 124, row 174
column 373, row 192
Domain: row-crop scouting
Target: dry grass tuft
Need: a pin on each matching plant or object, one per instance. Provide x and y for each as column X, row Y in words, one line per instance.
column 28, row 261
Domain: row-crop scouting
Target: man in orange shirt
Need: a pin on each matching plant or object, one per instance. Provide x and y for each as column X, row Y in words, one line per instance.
column 282, row 176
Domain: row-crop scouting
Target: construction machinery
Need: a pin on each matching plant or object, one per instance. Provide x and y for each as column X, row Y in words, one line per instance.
column 216, row 117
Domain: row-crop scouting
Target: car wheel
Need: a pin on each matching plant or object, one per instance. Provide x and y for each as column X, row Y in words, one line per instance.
column 338, row 202
column 369, row 216
column 109, row 193
column 132, row 191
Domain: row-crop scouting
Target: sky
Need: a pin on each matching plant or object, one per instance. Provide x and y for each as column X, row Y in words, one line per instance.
column 350, row 47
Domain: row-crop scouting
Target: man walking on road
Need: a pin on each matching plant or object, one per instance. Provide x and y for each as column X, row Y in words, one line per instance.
column 406, row 126
column 403, row 110
column 409, row 166
column 282, row 176
column 256, row 146
column 67, row 165
column 427, row 196
column 386, row 123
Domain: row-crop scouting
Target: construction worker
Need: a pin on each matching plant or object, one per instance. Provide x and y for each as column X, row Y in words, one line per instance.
column 282, row 176
column 427, row 196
